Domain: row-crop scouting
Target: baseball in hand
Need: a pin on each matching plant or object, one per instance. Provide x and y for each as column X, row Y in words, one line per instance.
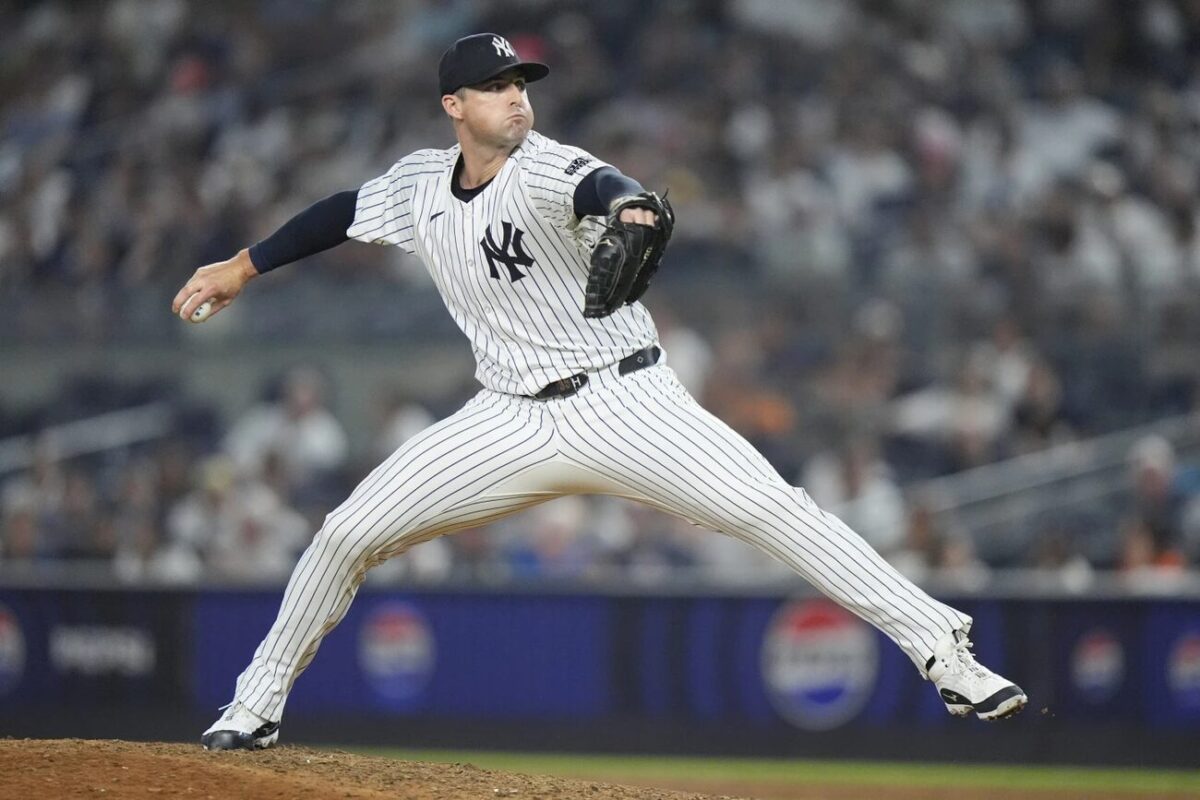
column 202, row 311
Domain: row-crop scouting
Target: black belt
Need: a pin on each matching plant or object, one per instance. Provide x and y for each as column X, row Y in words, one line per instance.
column 565, row 387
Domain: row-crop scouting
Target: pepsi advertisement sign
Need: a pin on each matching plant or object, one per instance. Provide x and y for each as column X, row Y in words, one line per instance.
column 1097, row 666
column 819, row 664
column 1183, row 671
column 396, row 652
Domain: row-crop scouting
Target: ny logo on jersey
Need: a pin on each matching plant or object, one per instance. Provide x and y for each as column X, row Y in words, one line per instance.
column 500, row 252
column 503, row 48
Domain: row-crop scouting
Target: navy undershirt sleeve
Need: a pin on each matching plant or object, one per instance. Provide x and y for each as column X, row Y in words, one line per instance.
column 319, row 227
column 595, row 193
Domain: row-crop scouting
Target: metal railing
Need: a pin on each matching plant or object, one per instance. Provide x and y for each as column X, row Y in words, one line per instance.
column 1003, row 505
column 93, row 435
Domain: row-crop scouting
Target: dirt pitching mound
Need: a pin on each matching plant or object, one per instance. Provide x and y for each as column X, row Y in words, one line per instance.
column 33, row 768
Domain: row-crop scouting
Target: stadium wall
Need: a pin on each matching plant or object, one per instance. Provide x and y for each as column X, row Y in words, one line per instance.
column 1113, row 681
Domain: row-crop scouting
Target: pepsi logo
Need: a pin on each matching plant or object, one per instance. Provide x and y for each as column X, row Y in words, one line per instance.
column 1097, row 665
column 1183, row 670
column 819, row 663
column 396, row 651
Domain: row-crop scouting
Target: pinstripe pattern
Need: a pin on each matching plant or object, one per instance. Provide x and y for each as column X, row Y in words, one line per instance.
column 526, row 333
column 652, row 436
column 438, row 482
column 642, row 436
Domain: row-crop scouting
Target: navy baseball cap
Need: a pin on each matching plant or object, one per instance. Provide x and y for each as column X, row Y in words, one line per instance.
column 474, row 59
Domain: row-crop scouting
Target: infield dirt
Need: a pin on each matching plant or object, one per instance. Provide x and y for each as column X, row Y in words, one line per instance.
column 73, row 768
column 32, row 769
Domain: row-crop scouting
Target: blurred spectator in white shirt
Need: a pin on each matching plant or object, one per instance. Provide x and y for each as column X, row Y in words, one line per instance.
column 403, row 418
column 965, row 420
column 688, row 353
column 1060, row 131
column 309, row 441
column 260, row 537
column 236, row 525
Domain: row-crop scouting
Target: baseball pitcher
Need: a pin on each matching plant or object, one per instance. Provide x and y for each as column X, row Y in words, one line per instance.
column 540, row 252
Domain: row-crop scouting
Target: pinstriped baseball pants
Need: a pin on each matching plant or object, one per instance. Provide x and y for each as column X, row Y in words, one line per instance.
column 639, row 436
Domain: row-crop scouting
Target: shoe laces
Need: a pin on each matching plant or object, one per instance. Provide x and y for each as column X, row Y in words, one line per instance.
column 965, row 659
column 233, row 709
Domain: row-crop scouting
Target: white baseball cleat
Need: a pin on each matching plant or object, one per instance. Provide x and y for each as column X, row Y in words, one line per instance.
column 239, row 728
column 966, row 685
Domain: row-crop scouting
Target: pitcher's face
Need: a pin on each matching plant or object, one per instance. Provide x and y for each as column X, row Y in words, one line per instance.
column 495, row 112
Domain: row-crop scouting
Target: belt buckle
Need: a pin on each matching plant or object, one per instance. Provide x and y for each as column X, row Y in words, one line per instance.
column 563, row 387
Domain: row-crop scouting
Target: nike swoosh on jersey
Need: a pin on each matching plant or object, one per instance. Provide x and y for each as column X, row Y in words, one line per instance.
column 435, row 215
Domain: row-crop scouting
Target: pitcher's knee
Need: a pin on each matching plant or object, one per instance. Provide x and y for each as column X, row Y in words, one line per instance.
column 344, row 537
column 365, row 534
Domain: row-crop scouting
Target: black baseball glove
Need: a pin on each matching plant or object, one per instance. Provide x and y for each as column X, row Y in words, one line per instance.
column 627, row 255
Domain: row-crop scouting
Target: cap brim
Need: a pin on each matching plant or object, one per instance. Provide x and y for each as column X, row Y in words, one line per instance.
column 533, row 71
column 530, row 70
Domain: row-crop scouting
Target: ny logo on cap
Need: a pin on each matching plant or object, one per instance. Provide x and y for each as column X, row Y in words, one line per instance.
column 503, row 48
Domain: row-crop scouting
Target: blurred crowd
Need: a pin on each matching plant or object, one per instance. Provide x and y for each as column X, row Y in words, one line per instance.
column 242, row 505
column 914, row 239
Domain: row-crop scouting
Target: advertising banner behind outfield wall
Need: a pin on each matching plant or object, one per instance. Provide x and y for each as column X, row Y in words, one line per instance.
column 82, row 649
column 747, row 666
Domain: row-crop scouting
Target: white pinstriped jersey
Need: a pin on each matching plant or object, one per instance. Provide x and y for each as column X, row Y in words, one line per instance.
column 511, row 264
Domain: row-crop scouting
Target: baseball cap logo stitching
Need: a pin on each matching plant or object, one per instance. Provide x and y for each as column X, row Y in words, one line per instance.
column 503, row 48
